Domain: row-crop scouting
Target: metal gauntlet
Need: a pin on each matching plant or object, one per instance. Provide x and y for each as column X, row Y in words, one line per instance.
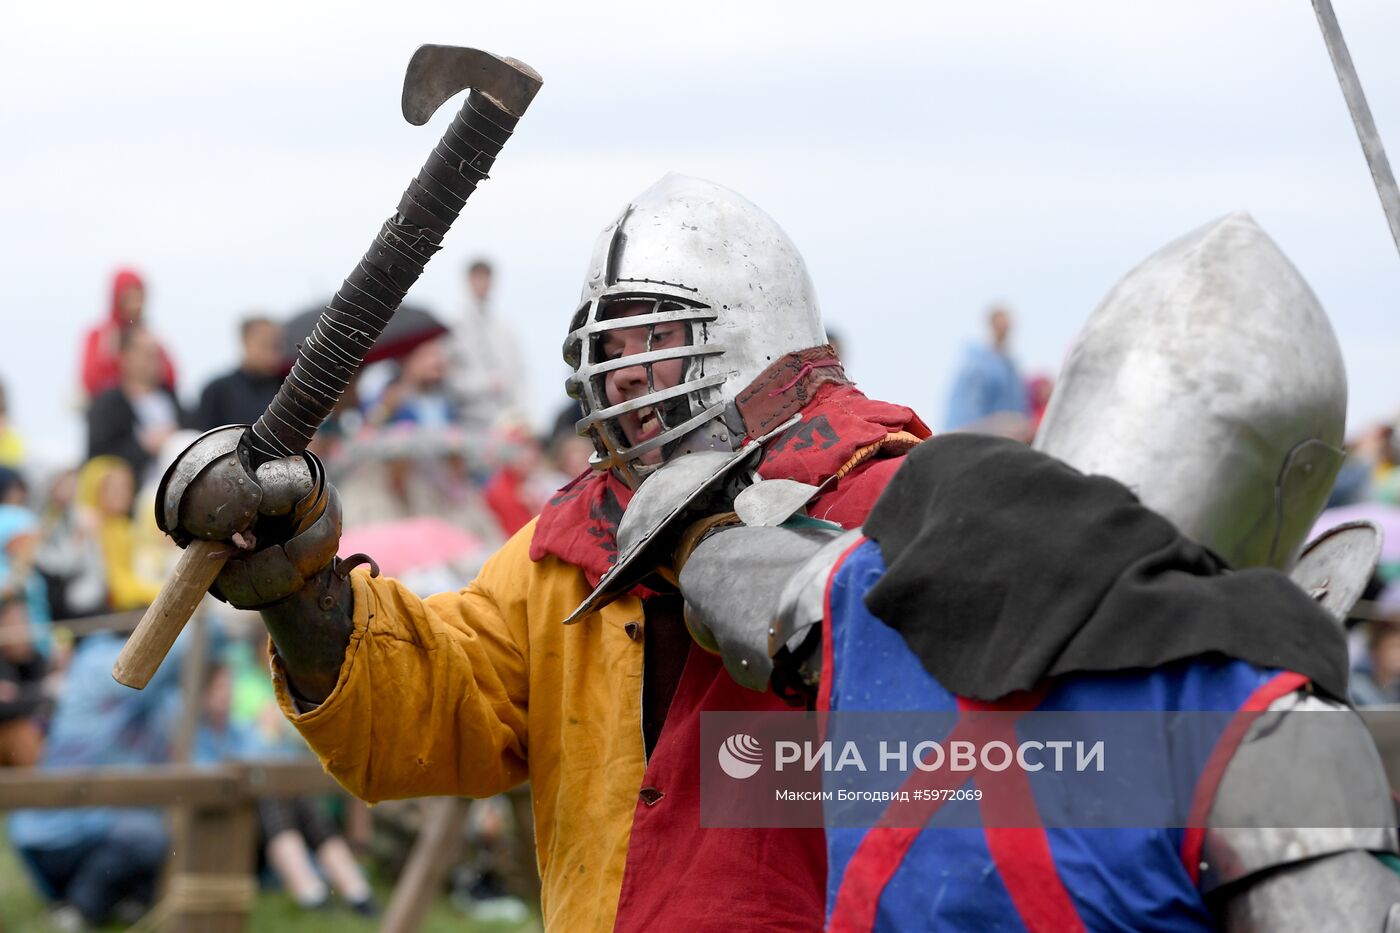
column 311, row 628
column 290, row 545
column 282, row 521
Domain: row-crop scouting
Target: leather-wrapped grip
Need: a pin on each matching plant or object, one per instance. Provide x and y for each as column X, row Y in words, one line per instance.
column 359, row 311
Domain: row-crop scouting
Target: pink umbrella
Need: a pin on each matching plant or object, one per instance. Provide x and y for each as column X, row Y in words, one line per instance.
column 401, row 547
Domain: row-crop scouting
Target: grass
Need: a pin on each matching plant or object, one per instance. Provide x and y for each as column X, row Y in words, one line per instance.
column 22, row 910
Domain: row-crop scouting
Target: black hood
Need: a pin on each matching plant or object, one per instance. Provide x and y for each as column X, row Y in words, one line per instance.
column 1006, row 566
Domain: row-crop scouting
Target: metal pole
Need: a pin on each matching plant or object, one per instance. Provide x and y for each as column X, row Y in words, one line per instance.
column 1360, row 115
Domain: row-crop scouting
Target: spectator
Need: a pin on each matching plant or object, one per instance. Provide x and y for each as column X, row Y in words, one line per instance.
column 479, row 886
column 11, row 444
column 343, row 423
column 13, row 491
column 569, row 452
column 487, row 371
column 19, row 579
column 70, row 552
column 1376, row 679
column 987, row 382
column 522, row 482
column 1379, row 449
column 106, row 487
column 132, row 419
column 240, row 397
column 291, row 828
column 101, row 351
column 22, row 670
column 418, row 395
column 99, row 865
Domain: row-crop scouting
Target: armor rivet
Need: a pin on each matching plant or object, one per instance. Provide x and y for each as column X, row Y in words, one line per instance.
column 772, row 631
column 1205, row 866
column 743, row 662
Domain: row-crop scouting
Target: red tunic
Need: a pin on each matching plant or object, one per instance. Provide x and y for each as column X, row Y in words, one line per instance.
column 678, row 873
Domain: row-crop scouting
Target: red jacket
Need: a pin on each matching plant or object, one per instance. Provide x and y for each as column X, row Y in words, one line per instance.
column 505, row 497
column 100, row 365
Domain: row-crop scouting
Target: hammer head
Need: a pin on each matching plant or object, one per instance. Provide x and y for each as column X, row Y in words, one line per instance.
column 436, row 72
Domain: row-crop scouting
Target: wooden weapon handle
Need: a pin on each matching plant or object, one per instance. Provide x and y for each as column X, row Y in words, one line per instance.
column 199, row 564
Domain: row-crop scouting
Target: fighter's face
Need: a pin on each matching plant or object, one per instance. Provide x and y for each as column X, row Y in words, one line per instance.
column 630, row 382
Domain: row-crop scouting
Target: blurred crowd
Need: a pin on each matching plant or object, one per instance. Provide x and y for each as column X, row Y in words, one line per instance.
column 437, row 463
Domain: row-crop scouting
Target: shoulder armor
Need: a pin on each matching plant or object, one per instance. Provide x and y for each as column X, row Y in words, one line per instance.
column 733, row 583
column 795, row 636
column 802, row 603
column 772, row 502
column 1302, row 784
column 1343, row 891
column 1336, row 565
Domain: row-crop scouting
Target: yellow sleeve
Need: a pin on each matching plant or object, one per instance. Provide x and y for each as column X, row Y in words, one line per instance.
column 125, row 590
column 433, row 693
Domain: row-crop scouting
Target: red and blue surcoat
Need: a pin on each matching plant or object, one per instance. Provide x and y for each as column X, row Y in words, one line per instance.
column 1025, row 877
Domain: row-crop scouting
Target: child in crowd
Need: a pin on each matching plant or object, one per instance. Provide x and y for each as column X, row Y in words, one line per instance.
column 291, row 829
column 107, row 488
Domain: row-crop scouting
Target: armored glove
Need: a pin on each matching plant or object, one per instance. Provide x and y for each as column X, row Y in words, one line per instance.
column 282, row 523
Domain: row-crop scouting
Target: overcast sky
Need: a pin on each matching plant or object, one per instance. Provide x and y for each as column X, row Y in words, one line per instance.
column 928, row 158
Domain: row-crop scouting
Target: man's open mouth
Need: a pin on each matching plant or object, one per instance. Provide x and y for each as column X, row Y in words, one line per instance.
column 648, row 423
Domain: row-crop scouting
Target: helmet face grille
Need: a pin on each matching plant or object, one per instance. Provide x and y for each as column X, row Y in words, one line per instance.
column 592, row 350
column 684, row 250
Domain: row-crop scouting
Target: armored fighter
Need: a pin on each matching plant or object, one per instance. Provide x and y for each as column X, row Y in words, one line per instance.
column 1132, row 562
column 698, row 332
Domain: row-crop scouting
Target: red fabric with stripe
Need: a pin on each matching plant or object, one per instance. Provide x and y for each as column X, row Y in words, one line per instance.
column 1019, row 846
column 1016, row 840
column 1018, row 843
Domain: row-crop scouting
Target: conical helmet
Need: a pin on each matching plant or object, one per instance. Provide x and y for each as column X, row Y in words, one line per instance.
column 1210, row 382
column 690, row 253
